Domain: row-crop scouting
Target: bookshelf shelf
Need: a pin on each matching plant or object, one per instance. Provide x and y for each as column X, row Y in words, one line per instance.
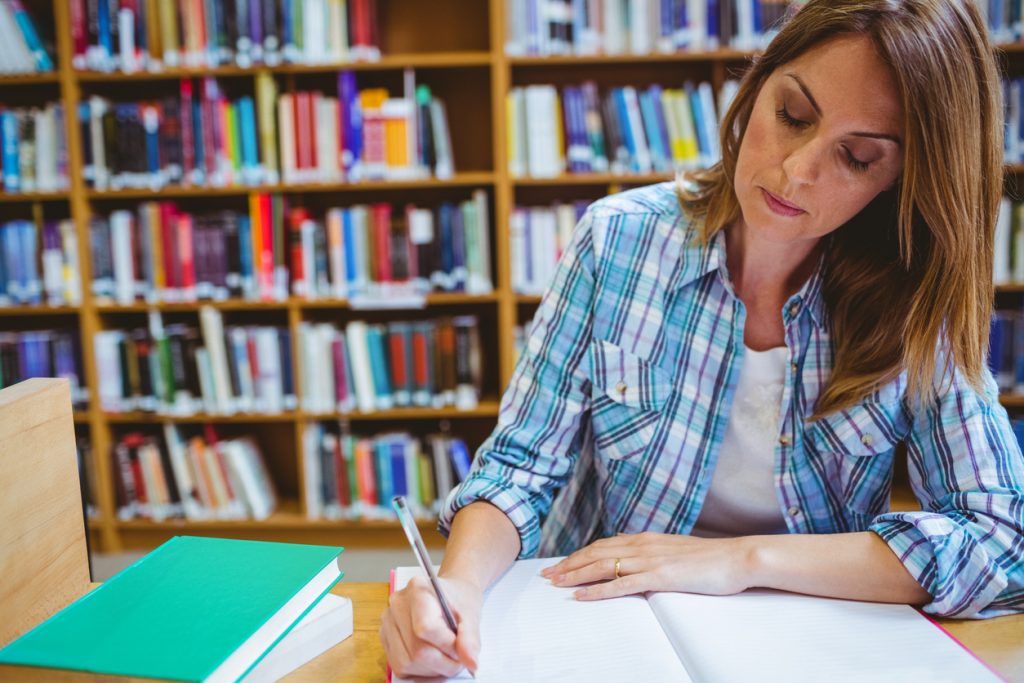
column 593, row 179
column 466, row 179
column 1012, row 400
column 486, row 408
column 425, row 60
column 80, row 416
column 193, row 306
column 629, row 58
column 33, row 196
column 16, row 311
column 29, row 79
column 199, row 418
column 442, row 299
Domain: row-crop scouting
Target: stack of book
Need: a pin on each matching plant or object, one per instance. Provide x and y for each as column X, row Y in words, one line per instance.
column 589, row 27
column 623, row 131
column 201, row 137
column 369, row 367
column 43, row 353
column 198, row 476
column 368, row 251
column 34, row 272
column 133, row 35
column 180, row 370
column 33, row 149
column 24, row 50
column 351, row 477
column 537, row 237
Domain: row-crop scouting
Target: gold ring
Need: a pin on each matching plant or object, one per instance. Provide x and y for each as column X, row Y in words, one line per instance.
column 617, row 575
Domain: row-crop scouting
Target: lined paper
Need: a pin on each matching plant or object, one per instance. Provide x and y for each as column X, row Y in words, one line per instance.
column 763, row 635
column 534, row 631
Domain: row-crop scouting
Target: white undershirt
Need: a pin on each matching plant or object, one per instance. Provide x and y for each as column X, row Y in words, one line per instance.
column 741, row 500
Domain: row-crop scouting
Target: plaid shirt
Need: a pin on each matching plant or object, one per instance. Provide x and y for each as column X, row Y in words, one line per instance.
column 614, row 416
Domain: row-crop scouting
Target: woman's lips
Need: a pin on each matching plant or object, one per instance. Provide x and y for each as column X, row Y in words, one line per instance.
column 779, row 206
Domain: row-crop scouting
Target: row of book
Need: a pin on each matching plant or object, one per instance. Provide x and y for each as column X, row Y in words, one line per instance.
column 177, row 369
column 43, row 353
column 1005, row 19
column 366, row 253
column 537, row 237
column 1008, row 247
column 24, row 50
column 133, row 35
column 33, row 149
column 354, row 477
column 368, row 367
column 201, row 137
column 624, row 130
column 33, row 271
column 590, row 27
column 196, row 475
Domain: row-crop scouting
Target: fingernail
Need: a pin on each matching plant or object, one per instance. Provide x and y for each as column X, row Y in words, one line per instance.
column 559, row 579
column 580, row 593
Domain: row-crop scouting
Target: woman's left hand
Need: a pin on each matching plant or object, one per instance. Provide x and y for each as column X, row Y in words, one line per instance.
column 657, row 562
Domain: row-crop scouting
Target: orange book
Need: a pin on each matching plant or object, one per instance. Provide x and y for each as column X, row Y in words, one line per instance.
column 256, row 239
column 366, row 482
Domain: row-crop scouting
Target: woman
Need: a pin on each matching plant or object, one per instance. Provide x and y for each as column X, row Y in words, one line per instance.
column 715, row 384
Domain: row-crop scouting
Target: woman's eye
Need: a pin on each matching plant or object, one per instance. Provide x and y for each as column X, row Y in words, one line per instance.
column 784, row 116
column 855, row 163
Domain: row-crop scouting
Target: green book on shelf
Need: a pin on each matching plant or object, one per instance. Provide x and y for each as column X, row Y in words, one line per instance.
column 194, row 609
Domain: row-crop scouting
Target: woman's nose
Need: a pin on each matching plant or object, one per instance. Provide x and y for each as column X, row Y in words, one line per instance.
column 803, row 164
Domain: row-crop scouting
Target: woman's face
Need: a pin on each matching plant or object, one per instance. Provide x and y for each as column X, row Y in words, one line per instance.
column 824, row 139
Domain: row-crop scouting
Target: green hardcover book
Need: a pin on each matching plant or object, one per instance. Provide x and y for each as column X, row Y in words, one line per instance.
column 194, row 609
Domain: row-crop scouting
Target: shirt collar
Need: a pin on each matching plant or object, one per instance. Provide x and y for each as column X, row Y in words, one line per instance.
column 698, row 260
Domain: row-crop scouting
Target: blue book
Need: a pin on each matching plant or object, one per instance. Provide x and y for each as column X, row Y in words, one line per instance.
column 12, row 256
column 382, row 458
column 659, row 116
column 31, row 284
column 459, row 272
column 379, row 367
column 758, row 19
column 703, row 144
column 650, row 118
column 10, row 139
column 151, row 124
column 245, row 261
column 444, row 220
column 247, row 131
column 194, row 609
column 460, row 458
column 352, row 125
column 197, row 138
column 287, row 30
column 284, row 345
column 351, row 263
column 619, row 95
column 399, row 482
column 712, row 19
column 28, row 30
column 106, row 42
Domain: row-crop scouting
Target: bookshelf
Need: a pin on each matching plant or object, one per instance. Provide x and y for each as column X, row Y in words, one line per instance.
column 458, row 48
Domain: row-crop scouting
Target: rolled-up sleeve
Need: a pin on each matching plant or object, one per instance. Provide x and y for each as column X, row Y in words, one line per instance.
column 531, row 452
column 966, row 545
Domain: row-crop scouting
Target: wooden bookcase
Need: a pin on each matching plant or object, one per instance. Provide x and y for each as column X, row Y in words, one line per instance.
column 457, row 46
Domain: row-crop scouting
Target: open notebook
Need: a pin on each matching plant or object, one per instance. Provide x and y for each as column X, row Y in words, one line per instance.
column 532, row 631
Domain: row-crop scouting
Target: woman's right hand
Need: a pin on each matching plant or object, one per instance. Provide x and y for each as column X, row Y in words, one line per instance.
column 416, row 637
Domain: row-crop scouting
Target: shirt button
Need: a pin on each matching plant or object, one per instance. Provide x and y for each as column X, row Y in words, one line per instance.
column 795, row 368
column 793, row 511
column 867, row 440
column 621, row 387
column 794, row 308
column 785, row 440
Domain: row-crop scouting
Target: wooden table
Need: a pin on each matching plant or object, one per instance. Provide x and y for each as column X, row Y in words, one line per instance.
column 1000, row 642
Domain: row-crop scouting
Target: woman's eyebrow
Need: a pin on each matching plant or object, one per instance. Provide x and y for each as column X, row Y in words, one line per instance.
column 814, row 104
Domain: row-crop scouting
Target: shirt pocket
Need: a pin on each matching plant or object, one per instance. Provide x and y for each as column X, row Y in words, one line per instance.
column 628, row 395
column 856, row 446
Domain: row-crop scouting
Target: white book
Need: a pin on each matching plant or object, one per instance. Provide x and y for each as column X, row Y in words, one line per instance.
column 710, row 120
column 517, row 249
column 615, row 27
column 313, row 32
column 212, row 327
column 311, row 470
column 46, row 149
column 744, row 38
column 326, row 625
column 72, row 278
column 286, row 137
column 238, row 341
column 639, row 27
column 326, row 333
column 517, row 131
column 543, row 153
column 101, row 173
column 191, row 504
column 338, row 30
column 444, row 164
column 270, row 384
column 757, row 635
column 124, row 258
column 108, row 366
column 480, row 280
column 362, row 374
column 248, row 485
column 1001, row 266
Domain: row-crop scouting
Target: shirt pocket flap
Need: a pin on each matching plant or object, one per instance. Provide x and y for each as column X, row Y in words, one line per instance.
column 864, row 429
column 628, row 379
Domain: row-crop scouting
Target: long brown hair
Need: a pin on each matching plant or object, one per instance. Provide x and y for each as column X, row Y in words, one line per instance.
column 910, row 277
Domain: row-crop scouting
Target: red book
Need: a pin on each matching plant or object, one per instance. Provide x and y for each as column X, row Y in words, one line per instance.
column 300, row 287
column 381, row 217
column 169, row 239
column 311, row 123
column 399, row 372
column 186, row 257
column 78, row 32
column 254, row 363
column 267, row 248
column 208, row 127
column 420, row 359
column 188, row 145
column 361, row 36
column 214, row 443
column 303, row 135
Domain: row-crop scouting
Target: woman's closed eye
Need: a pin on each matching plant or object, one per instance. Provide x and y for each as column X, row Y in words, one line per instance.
column 783, row 115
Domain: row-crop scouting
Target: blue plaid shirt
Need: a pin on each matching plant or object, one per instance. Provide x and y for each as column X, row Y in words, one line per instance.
column 614, row 416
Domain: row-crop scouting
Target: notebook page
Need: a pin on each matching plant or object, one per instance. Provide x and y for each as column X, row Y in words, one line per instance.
column 533, row 631
column 768, row 635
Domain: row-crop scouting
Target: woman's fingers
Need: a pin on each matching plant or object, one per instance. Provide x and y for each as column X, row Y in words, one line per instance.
column 599, row 570
column 417, row 640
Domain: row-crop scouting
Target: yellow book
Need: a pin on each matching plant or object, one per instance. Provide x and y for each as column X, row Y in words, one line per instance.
column 266, row 97
column 169, row 34
column 559, row 133
column 256, row 239
column 675, row 138
column 156, row 50
column 687, row 128
column 156, row 248
column 427, row 493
